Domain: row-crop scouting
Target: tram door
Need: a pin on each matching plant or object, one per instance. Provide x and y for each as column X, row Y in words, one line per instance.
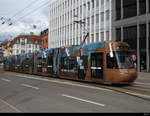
column 83, row 66
column 50, row 64
column 97, row 65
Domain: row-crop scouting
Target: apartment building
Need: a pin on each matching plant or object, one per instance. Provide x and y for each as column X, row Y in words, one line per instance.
column 44, row 39
column 63, row 31
column 25, row 44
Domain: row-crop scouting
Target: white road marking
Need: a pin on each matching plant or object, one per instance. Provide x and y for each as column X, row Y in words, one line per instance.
column 6, row 80
column 14, row 108
column 91, row 102
column 26, row 85
column 66, row 83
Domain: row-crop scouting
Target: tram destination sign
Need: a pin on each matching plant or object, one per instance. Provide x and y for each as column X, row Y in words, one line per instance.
column 122, row 48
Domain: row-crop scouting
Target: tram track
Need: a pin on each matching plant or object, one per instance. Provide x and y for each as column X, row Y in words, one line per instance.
column 136, row 90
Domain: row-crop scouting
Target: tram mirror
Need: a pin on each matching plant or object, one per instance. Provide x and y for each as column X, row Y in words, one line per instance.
column 111, row 52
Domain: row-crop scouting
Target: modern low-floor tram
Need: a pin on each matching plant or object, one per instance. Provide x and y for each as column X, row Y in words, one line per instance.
column 108, row 62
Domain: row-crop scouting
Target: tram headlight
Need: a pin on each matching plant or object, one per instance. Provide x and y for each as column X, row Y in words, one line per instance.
column 124, row 73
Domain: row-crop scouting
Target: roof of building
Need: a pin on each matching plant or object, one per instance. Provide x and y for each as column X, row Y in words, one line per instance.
column 45, row 32
column 31, row 38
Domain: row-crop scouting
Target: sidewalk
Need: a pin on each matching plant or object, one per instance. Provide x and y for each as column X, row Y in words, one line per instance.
column 143, row 74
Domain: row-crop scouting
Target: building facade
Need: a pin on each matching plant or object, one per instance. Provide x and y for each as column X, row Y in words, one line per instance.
column 63, row 31
column 131, row 23
column 7, row 48
column 44, row 39
column 25, row 44
column 1, row 52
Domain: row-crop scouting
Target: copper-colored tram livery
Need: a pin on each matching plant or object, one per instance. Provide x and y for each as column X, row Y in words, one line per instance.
column 109, row 62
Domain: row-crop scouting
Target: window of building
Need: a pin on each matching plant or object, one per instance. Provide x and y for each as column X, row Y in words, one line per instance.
column 93, row 3
column 102, row 2
column 97, row 3
column 149, row 5
column 92, row 20
column 118, row 34
column 97, row 37
column 36, row 46
column 143, row 60
column 97, row 19
column 107, row 35
column 17, row 51
column 143, row 36
column 102, row 36
column 142, row 5
column 80, row 10
column 92, row 37
column 107, row 3
column 88, row 6
column 36, row 42
column 88, row 21
column 17, row 41
column 22, row 51
column 102, row 16
column 107, row 15
column 130, row 36
column 129, row 8
column 84, row 7
column 29, row 46
column 29, row 51
column 77, row 11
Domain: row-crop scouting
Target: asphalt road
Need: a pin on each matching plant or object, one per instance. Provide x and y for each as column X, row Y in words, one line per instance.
column 30, row 93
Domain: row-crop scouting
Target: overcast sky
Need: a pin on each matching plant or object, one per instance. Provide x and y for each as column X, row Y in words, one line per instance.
column 23, row 14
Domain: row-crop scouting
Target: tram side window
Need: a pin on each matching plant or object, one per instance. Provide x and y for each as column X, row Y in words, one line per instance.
column 85, row 61
column 111, row 62
column 64, row 63
column 93, row 64
column 50, row 60
column 72, row 63
column 39, row 61
column 43, row 61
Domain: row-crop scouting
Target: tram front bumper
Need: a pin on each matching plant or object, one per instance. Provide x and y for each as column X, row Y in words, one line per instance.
column 128, row 78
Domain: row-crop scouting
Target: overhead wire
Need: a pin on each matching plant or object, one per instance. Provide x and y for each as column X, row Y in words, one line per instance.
column 34, row 10
column 16, row 14
column 29, row 5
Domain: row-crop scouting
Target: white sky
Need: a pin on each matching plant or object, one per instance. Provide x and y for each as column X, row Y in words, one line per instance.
column 24, row 14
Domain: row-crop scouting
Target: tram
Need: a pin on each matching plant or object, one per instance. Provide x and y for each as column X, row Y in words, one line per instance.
column 109, row 62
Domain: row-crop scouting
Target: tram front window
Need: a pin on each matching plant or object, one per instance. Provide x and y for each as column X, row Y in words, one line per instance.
column 111, row 62
column 124, row 60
